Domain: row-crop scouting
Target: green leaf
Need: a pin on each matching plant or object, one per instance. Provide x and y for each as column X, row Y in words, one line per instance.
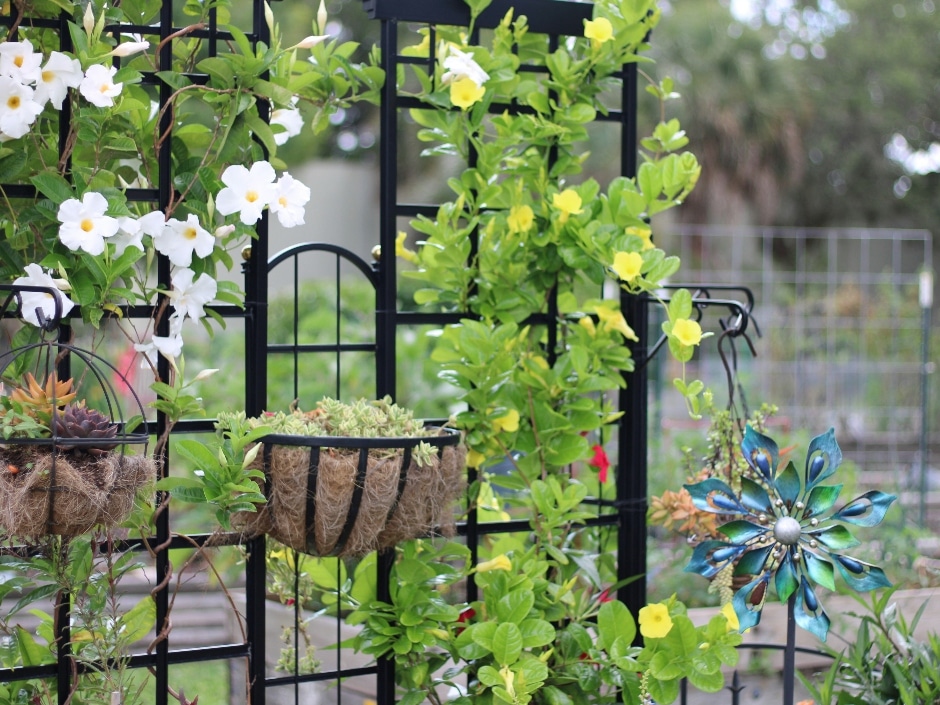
column 515, row 606
column 53, row 186
column 614, row 620
column 536, row 632
column 139, row 620
column 507, row 644
column 32, row 653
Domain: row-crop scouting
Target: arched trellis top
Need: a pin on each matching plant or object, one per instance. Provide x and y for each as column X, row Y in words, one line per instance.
column 563, row 18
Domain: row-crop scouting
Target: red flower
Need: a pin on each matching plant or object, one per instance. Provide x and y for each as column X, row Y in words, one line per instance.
column 604, row 596
column 465, row 617
column 601, row 462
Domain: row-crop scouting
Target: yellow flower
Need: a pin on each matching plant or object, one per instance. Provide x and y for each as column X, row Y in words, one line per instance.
column 568, row 202
column 627, row 265
column 402, row 251
column 520, row 219
column 475, row 458
column 728, row 611
column 613, row 319
column 598, row 31
column 687, row 332
column 501, row 562
column 645, row 234
column 508, row 422
column 587, row 323
column 655, row 622
column 464, row 93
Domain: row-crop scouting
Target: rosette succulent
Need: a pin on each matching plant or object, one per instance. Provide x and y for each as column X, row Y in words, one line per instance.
column 787, row 530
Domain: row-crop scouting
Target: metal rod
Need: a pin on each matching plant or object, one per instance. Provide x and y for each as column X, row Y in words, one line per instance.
column 789, row 654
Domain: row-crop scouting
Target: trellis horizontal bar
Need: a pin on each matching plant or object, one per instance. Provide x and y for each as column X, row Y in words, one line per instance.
column 545, row 16
column 345, row 674
column 517, row 525
column 289, row 348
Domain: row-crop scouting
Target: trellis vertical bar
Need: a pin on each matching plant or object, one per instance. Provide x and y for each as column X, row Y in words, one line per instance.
column 632, row 447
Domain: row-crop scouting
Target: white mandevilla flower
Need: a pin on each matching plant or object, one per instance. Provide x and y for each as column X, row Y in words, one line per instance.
column 170, row 347
column 311, row 41
column 288, row 118
column 187, row 296
column 18, row 110
column 98, row 86
column 179, row 240
column 290, row 197
column 58, row 75
column 84, row 223
column 246, row 191
column 459, row 64
column 152, row 224
column 33, row 300
column 19, row 62
column 129, row 234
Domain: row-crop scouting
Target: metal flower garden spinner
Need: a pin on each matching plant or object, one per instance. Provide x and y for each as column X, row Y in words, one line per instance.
column 786, row 530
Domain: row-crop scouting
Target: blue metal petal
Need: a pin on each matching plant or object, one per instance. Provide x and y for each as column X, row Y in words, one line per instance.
column 821, row 499
column 755, row 497
column 860, row 576
column 788, row 485
column 834, row 536
column 749, row 601
column 753, row 562
column 760, row 452
column 786, row 581
column 713, row 495
column 808, row 613
column 704, row 560
column 741, row 531
column 867, row 510
column 820, row 570
column 823, row 457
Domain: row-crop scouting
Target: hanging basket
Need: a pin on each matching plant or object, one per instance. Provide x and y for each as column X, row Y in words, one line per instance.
column 333, row 496
column 70, row 470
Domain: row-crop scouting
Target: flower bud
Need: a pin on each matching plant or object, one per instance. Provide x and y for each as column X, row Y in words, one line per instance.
column 311, row 41
column 88, row 19
column 321, row 17
column 129, row 48
column 224, row 231
column 269, row 17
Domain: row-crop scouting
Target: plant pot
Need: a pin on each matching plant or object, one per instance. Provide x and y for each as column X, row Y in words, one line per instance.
column 332, row 496
column 47, row 491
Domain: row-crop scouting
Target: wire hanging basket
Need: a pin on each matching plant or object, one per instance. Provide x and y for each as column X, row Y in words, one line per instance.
column 343, row 496
column 65, row 467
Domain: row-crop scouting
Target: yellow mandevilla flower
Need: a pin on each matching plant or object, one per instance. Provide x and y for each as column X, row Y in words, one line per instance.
column 655, row 621
column 501, row 562
column 687, row 332
column 613, row 319
column 627, row 265
column 402, row 251
column 598, row 31
column 520, row 219
column 475, row 458
column 645, row 234
column 568, row 202
column 464, row 93
column 587, row 323
column 508, row 422
column 728, row 612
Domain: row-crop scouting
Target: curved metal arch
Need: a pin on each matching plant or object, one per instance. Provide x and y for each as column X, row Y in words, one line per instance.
column 295, row 250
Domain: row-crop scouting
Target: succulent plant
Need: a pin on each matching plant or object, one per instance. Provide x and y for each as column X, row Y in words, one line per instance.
column 76, row 421
column 40, row 400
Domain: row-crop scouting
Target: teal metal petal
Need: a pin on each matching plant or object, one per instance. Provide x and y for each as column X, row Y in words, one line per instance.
column 755, row 497
column 709, row 557
column 713, row 495
column 860, row 576
column 752, row 562
column 867, row 510
column 788, row 485
column 749, row 601
column 819, row 570
column 786, row 579
column 760, row 452
column 836, row 537
column 823, row 458
column 741, row 531
column 808, row 613
column 821, row 499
